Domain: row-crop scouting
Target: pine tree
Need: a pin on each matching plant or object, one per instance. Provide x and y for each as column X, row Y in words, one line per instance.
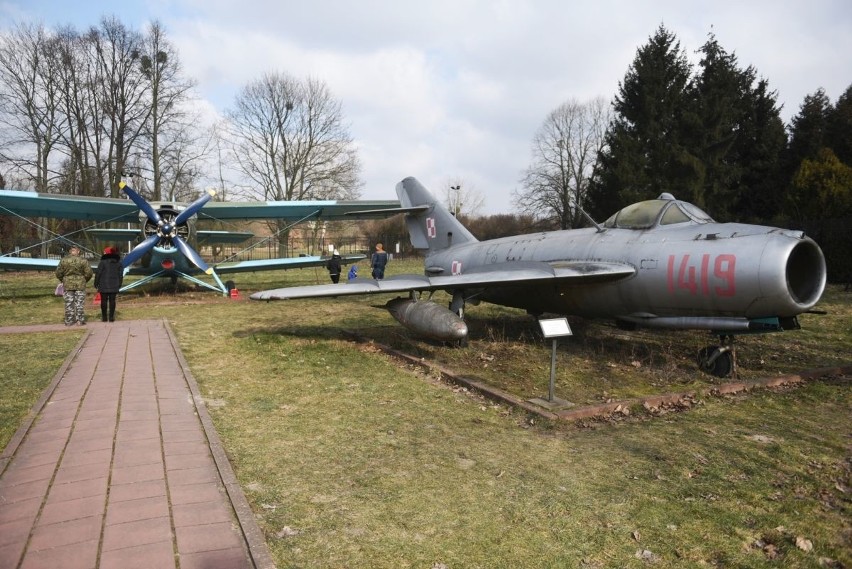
column 760, row 146
column 839, row 129
column 807, row 131
column 645, row 153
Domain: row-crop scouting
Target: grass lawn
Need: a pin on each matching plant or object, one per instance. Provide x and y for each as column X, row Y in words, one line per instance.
column 351, row 459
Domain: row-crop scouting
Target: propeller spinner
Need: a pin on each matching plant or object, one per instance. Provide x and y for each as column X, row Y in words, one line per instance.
column 166, row 230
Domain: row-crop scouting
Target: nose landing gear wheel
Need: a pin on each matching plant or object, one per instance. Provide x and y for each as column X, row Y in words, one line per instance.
column 716, row 360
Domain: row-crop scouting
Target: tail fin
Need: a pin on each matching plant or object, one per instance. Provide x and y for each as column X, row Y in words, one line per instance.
column 432, row 227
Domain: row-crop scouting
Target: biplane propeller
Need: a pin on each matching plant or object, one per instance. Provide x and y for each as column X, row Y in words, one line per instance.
column 166, row 229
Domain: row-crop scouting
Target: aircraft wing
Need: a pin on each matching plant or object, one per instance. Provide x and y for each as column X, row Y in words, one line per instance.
column 498, row 275
column 27, row 264
column 113, row 235
column 328, row 210
column 209, row 237
column 35, row 204
column 282, row 263
column 64, row 206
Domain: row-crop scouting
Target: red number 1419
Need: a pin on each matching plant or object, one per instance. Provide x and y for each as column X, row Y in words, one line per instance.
column 695, row 277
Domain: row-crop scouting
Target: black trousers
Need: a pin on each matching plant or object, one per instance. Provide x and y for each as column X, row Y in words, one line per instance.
column 108, row 303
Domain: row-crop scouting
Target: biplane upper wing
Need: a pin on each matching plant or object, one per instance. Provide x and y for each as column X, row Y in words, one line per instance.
column 64, row 206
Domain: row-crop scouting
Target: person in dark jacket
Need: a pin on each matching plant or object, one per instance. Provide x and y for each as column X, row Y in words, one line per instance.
column 378, row 262
column 333, row 267
column 108, row 279
column 74, row 272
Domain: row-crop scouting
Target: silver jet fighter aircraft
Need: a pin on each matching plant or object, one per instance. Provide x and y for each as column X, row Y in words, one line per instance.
column 661, row 263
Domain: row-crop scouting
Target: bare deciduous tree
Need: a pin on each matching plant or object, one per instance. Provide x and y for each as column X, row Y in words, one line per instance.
column 565, row 151
column 29, row 113
column 289, row 140
column 169, row 130
column 461, row 197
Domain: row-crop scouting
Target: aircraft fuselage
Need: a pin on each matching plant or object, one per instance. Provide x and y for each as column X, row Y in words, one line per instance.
column 715, row 269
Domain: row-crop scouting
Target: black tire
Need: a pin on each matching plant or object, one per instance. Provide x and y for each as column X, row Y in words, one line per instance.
column 721, row 366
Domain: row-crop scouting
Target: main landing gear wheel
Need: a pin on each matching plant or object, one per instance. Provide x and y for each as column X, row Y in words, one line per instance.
column 719, row 361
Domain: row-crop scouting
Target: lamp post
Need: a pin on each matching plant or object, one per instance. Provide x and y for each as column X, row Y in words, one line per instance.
column 457, row 199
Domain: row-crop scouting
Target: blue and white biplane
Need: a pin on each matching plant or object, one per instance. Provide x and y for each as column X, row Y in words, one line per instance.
column 166, row 230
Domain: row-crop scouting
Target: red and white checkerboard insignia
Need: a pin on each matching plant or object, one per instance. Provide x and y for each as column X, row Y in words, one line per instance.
column 457, row 267
column 431, row 231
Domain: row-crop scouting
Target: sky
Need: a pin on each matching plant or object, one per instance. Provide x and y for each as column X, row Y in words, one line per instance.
column 453, row 91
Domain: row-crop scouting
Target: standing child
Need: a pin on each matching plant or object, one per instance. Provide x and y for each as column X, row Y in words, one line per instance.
column 353, row 273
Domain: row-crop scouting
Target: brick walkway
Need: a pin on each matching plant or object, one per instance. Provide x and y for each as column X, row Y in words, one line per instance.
column 119, row 466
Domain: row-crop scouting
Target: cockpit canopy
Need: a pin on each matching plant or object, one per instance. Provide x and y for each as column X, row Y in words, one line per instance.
column 665, row 210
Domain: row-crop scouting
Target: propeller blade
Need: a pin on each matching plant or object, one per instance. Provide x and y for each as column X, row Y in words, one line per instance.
column 193, row 208
column 190, row 254
column 139, row 250
column 140, row 202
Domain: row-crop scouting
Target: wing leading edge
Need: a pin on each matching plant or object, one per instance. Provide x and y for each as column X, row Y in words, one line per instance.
column 498, row 275
column 282, row 263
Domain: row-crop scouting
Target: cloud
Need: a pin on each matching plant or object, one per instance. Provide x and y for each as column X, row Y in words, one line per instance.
column 457, row 88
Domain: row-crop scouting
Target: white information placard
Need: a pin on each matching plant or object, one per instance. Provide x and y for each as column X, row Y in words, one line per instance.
column 554, row 327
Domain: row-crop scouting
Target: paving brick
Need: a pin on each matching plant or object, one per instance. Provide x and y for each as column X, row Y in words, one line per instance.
column 234, row 558
column 208, row 537
column 140, row 473
column 11, row 553
column 90, row 442
column 182, row 461
column 123, row 511
column 184, row 448
column 25, row 459
column 160, row 555
column 72, row 556
column 137, row 490
column 10, row 494
column 87, row 457
column 67, row 474
column 191, row 476
column 13, row 532
column 15, row 475
column 140, row 532
column 65, row 533
column 81, row 489
column 194, row 493
column 56, row 512
column 201, row 513
column 21, row 510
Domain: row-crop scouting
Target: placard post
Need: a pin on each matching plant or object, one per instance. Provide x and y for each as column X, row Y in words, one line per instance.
column 553, row 328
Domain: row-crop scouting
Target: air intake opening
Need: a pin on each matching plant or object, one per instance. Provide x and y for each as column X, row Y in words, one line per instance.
column 806, row 273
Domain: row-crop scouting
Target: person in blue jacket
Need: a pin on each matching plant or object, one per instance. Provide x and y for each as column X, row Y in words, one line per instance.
column 378, row 262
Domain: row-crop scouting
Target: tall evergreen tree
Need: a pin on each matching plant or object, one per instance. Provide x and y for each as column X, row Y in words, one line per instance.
column 807, row 131
column 839, row 129
column 721, row 104
column 759, row 148
column 645, row 153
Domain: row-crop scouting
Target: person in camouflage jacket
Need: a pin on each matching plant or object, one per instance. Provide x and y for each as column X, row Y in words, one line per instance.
column 74, row 272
